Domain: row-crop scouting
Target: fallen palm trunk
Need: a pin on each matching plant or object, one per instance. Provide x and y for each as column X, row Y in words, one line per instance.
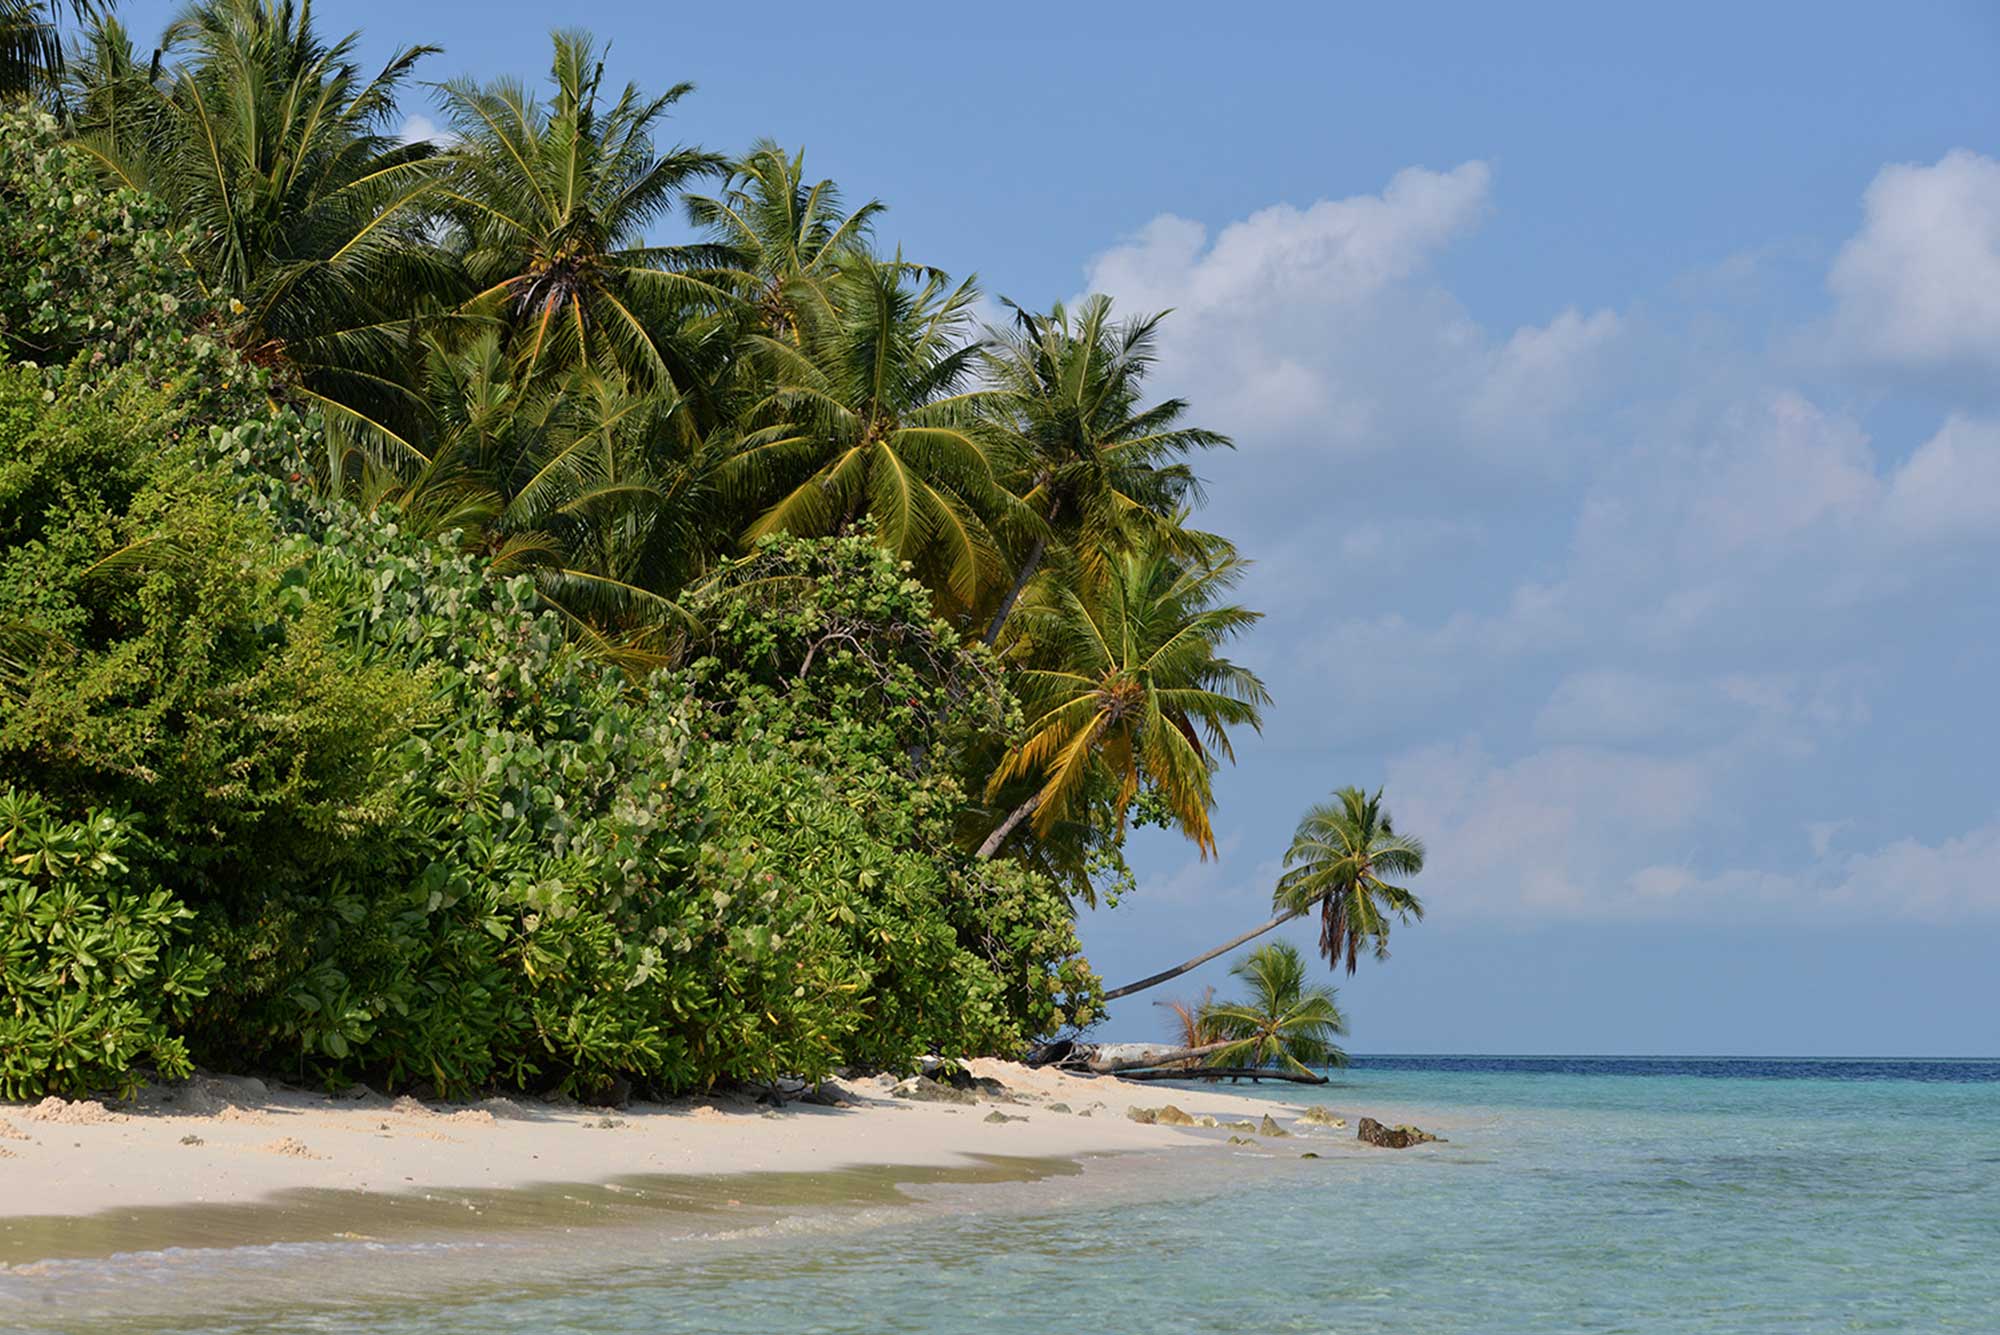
column 1223, row 1072
column 1114, row 1058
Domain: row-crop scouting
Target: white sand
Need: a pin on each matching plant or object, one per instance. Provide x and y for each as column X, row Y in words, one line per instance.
column 220, row 1140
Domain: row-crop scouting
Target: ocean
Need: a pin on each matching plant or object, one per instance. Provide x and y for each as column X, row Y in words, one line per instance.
column 1664, row 1196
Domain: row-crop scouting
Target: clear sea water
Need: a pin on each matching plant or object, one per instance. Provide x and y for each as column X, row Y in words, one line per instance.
column 1674, row 1195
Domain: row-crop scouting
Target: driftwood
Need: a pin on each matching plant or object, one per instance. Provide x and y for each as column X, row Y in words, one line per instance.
column 1112, row 1058
column 1069, row 1054
column 1221, row 1073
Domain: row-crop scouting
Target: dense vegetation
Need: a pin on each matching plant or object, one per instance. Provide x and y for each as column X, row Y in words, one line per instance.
column 541, row 609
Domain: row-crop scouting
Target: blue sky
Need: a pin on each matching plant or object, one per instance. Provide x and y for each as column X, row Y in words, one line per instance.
column 1618, row 403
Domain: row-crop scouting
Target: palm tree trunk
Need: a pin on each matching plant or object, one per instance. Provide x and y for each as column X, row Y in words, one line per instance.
column 1199, row 960
column 1028, row 569
column 1229, row 1073
column 1113, row 1058
column 1014, row 817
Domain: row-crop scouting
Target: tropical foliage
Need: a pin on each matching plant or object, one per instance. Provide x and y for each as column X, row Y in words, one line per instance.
column 1127, row 685
column 1339, row 859
column 537, row 605
column 1285, row 1022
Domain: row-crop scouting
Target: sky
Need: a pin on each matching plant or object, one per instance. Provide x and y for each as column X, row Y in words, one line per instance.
column 1617, row 408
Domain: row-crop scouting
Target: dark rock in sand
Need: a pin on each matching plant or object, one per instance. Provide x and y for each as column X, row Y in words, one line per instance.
column 1392, row 1137
column 923, row 1089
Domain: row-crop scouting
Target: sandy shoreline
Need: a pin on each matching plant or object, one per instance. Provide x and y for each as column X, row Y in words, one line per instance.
column 223, row 1140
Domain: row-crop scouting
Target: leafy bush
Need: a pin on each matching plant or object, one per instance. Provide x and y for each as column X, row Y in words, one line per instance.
column 92, row 971
column 725, row 873
column 392, row 821
column 96, row 277
column 162, row 659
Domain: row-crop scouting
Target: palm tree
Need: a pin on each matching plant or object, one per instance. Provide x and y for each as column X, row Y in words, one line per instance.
column 584, row 481
column 868, row 418
column 1283, row 1023
column 31, row 46
column 549, row 207
column 1339, row 854
column 1192, row 1024
column 1094, row 467
column 786, row 240
column 1130, row 686
column 306, row 210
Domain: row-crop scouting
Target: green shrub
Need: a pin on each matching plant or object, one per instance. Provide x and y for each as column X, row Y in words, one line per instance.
column 92, row 970
column 162, row 659
column 430, row 839
column 96, row 277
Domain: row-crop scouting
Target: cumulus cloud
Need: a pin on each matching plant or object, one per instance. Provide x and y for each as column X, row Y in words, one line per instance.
column 1918, row 288
column 1322, row 329
column 1337, row 250
column 1586, row 591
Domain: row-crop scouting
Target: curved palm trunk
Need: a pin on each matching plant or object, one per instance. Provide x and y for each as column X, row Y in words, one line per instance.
column 1168, row 975
column 1014, row 817
column 1028, row 569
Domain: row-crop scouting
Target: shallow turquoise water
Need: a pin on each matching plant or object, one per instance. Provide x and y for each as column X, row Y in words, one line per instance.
column 1606, row 1196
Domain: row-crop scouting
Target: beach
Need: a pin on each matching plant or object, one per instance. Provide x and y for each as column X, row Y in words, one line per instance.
column 219, row 1140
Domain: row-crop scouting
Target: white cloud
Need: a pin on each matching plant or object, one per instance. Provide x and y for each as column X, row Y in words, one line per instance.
column 1950, row 487
column 1337, row 250
column 422, row 129
column 1541, row 371
column 1321, row 328
column 1955, row 879
column 1918, row 288
column 1554, row 833
column 1595, row 589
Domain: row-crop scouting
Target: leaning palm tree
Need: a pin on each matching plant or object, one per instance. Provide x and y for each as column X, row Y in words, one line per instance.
column 549, row 205
column 1339, row 855
column 868, row 421
column 1094, row 466
column 1283, row 1023
column 304, row 208
column 1130, row 685
column 786, row 240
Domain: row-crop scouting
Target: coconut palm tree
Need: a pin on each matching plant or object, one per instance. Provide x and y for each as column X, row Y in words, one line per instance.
column 1129, row 684
column 1339, row 854
column 786, row 239
column 1339, row 857
column 583, row 481
column 31, row 44
column 1093, row 466
column 548, row 207
column 868, row 419
column 1283, row 1023
column 306, row 210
